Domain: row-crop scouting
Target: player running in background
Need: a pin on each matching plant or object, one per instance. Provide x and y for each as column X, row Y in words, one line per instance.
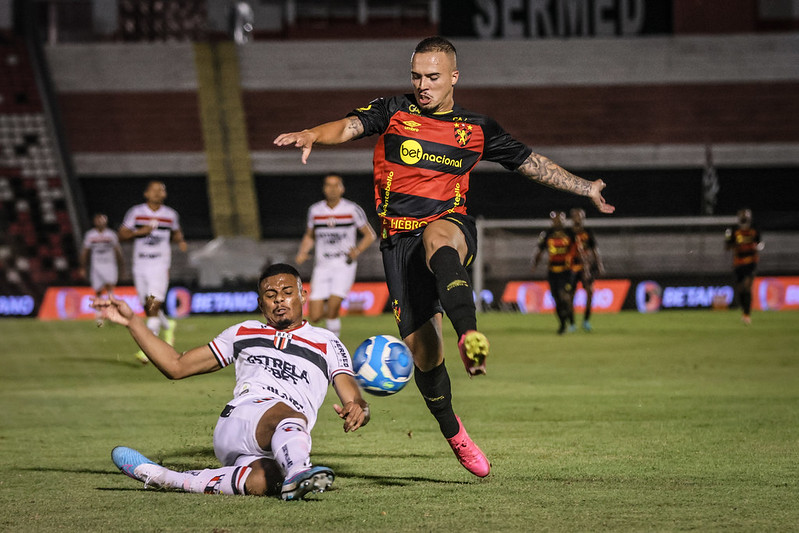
column 101, row 249
column 744, row 241
column 153, row 226
column 558, row 242
column 283, row 369
column 333, row 226
column 426, row 149
column 586, row 263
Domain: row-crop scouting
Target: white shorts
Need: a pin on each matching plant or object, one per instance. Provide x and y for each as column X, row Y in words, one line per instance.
column 332, row 280
column 101, row 276
column 234, row 435
column 151, row 282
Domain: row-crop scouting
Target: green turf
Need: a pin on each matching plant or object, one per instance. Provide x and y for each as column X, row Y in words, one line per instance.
column 672, row 421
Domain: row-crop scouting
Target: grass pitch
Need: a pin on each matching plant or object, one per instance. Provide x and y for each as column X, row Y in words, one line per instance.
column 671, row 421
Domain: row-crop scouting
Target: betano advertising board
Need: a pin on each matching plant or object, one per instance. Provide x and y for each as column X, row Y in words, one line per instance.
column 74, row 303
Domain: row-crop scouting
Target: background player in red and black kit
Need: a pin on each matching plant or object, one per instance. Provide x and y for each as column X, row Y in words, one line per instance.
column 744, row 241
column 426, row 150
column 586, row 262
column 558, row 241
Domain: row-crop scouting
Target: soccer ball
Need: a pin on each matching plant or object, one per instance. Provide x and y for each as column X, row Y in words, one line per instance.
column 383, row 365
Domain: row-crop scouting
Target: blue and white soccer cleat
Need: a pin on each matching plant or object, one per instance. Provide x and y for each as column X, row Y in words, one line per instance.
column 135, row 465
column 316, row 479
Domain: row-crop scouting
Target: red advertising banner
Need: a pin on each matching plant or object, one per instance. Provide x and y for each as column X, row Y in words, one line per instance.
column 778, row 293
column 74, row 303
column 535, row 297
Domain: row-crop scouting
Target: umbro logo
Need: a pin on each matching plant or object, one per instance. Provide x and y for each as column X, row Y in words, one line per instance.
column 411, row 125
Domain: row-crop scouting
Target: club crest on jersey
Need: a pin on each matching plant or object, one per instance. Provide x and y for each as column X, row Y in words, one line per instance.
column 462, row 133
column 282, row 340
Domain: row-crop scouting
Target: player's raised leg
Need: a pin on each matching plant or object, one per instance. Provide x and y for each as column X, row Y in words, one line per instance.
column 446, row 249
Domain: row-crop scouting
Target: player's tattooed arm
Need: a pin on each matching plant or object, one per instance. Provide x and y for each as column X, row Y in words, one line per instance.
column 336, row 132
column 546, row 172
column 354, row 126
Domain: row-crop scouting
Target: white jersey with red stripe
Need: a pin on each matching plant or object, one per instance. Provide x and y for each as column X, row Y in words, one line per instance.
column 102, row 247
column 153, row 250
column 335, row 229
column 295, row 366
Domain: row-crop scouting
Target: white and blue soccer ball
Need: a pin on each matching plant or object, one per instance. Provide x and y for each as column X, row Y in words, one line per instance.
column 383, row 365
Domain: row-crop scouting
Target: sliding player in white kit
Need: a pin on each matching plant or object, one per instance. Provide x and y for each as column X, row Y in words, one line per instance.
column 333, row 225
column 283, row 369
column 101, row 249
column 153, row 226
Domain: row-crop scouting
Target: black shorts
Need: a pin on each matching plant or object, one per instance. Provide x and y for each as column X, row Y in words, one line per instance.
column 586, row 277
column 559, row 282
column 411, row 285
column 744, row 271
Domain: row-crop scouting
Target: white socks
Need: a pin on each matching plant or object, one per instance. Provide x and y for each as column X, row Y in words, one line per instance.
column 334, row 325
column 163, row 319
column 154, row 324
column 225, row 480
column 291, row 445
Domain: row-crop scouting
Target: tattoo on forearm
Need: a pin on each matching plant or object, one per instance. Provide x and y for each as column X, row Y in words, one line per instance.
column 354, row 126
column 547, row 172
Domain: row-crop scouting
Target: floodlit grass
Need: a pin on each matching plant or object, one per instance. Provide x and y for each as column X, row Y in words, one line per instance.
column 672, row 421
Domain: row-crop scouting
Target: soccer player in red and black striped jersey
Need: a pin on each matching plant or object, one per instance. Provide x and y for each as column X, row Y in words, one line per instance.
column 744, row 241
column 426, row 149
column 586, row 262
column 559, row 243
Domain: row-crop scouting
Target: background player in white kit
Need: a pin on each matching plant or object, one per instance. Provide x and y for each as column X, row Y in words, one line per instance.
column 283, row 368
column 333, row 226
column 101, row 249
column 153, row 226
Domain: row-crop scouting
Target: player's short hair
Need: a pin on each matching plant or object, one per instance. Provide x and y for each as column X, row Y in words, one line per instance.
column 437, row 44
column 276, row 269
column 333, row 175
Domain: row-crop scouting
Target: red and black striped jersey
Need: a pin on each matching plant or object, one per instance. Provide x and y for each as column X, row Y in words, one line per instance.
column 560, row 245
column 422, row 161
column 743, row 242
column 583, row 238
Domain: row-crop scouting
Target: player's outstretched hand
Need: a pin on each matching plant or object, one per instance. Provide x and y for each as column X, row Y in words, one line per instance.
column 301, row 139
column 116, row 311
column 355, row 414
column 599, row 201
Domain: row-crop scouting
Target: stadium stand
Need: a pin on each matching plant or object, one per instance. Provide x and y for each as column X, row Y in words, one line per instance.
column 638, row 112
column 37, row 245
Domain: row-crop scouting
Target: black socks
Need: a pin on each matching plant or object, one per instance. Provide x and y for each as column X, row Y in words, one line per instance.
column 437, row 393
column 454, row 289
